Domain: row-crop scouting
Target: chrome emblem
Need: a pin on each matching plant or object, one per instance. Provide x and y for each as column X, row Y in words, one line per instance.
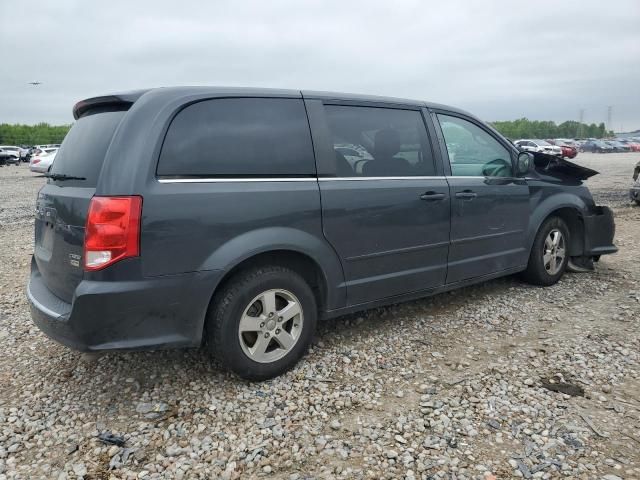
column 74, row 259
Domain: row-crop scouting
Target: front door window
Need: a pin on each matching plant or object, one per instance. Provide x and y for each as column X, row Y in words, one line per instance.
column 472, row 151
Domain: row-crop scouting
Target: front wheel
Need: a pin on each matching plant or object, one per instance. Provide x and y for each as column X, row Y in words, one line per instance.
column 261, row 322
column 549, row 254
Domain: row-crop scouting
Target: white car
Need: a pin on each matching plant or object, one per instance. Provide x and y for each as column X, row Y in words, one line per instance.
column 541, row 146
column 42, row 163
column 12, row 153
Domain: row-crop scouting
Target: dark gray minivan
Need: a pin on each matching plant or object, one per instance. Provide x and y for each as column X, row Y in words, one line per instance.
column 238, row 217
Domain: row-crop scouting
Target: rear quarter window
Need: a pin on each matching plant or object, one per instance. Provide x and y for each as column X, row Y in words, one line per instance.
column 239, row 137
column 84, row 148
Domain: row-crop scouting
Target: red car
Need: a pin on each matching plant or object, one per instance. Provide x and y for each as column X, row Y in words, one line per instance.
column 634, row 146
column 568, row 151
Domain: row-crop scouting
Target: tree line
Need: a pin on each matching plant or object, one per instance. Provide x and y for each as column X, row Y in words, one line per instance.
column 43, row 133
column 525, row 128
column 39, row 134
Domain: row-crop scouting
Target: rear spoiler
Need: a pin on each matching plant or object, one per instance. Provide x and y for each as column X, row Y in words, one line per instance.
column 119, row 101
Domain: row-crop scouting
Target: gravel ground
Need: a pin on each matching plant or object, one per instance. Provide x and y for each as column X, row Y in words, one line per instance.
column 458, row 386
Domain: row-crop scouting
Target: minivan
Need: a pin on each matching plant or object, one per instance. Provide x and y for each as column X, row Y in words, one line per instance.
column 237, row 218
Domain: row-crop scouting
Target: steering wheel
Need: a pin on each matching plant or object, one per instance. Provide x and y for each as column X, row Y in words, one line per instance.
column 497, row 168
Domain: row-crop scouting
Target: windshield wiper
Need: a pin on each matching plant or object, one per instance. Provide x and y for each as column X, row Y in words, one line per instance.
column 62, row 176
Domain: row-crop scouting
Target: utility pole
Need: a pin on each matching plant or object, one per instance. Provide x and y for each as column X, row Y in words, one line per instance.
column 609, row 114
column 579, row 133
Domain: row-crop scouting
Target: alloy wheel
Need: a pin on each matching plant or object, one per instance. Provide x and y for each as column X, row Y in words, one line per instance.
column 270, row 325
column 554, row 252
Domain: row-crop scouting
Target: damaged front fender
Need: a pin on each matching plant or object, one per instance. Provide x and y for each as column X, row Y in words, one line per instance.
column 558, row 167
column 634, row 191
column 556, row 187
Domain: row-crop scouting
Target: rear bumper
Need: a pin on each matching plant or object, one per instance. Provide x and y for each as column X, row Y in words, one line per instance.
column 128, row 315
column 599, row 230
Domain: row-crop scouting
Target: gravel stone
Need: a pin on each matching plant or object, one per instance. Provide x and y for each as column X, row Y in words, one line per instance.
column 391, row 454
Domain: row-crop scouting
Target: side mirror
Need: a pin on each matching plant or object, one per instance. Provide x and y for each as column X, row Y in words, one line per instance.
column 524, row 163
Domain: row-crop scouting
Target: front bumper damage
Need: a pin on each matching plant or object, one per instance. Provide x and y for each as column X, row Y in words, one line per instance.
column 634, row 192
column 599, row 230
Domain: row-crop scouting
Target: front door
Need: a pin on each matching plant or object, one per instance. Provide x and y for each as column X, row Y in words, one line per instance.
column 384, row 210
column 490, row 206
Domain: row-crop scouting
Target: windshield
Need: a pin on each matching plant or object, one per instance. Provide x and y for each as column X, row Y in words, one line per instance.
column 83, row 150
column 542, row 142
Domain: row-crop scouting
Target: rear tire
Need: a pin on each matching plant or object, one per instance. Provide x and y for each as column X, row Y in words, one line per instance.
column 261, row 322
column 549, row 253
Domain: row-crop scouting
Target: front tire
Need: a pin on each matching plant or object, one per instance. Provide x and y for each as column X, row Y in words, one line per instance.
column 261, row 322
column 549, row 253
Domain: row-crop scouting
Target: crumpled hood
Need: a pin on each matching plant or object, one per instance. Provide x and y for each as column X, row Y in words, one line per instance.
column 550, row 165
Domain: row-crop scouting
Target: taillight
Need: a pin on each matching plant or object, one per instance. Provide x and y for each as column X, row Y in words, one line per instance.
column 112, row 231
column 35, row 160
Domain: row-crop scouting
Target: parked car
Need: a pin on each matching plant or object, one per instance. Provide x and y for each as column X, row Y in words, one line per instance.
column 633, row 145
column 40, row 149
column 12, row 154
column 42, row 163
column 568, row 150
column 7, row 158
column 596, row 146
column 49, row 145
column 208, row 215
column 536, row 145
column 617, row 146
column 24, row 153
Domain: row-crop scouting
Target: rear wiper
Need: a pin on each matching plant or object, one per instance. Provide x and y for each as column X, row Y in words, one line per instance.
column 62, row 176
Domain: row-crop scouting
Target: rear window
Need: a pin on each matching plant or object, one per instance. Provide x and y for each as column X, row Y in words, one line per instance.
column 239, row 137
column 83, row 150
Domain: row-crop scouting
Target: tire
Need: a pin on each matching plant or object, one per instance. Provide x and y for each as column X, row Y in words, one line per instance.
column 543, row 268
column 247, row 296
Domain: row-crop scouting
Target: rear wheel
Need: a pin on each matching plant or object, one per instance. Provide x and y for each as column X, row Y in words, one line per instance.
column 549, row 254
column 261, row 322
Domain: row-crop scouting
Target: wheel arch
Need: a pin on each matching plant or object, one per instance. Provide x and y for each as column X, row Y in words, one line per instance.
column 575, row 224
column 571, row 211
column 306, row 254
column 300, row 263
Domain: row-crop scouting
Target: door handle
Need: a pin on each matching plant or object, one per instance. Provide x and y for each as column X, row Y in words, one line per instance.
column 466, row 195
column 432, row 196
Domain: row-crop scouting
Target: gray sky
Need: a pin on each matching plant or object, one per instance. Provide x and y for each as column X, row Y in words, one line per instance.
column 501, row 60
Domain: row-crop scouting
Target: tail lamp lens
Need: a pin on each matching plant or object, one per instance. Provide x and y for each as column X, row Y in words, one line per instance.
column 112, row 231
